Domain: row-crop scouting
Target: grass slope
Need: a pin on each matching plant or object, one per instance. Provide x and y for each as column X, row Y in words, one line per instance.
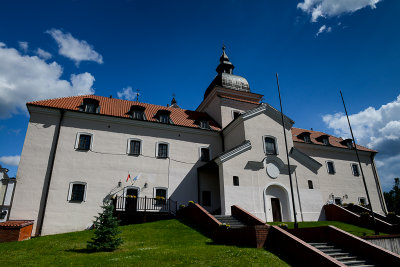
column 167, row 243
column 352, row 229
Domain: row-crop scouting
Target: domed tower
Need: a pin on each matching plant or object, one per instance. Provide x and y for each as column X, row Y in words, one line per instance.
column 228, row 95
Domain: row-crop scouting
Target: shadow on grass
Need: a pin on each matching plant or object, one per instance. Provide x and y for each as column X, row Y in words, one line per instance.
column 206, row 232
column 81, row 250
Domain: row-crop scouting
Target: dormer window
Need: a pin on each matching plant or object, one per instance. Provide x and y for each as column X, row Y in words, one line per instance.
column 324, row 139
column 90, row 105
column 235, row 114
column 137, row 112
column 348, row 143
column 163, row 116
column 204, row 124
column 305, row 136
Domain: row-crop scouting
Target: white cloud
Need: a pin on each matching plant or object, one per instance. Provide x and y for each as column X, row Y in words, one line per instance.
column 322, row 29
column 74, row 49
column 127, row 94
column 332, row 8
column 26, row 78
column 43, row 54
column 23, row 46
column 378, row 129
column 10, row 160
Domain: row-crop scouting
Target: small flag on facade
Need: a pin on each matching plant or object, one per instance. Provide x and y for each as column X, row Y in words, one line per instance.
column 129, row 177
column 137, row 177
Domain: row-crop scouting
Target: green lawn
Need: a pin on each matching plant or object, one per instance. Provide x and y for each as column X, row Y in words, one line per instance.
column 163, row 243
column 352, row 229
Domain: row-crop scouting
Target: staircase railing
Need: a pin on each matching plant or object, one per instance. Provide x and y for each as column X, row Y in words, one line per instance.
column 145, row 204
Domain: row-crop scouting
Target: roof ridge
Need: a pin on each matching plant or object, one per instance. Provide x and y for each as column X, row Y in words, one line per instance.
column 57, row 98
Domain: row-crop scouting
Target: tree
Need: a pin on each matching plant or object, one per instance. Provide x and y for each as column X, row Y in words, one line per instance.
column 106, row 231
column 392, row 197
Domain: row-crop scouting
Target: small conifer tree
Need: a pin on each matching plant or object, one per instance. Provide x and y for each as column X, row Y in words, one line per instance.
column 106, row 231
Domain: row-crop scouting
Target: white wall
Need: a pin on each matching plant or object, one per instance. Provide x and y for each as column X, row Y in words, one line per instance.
column 104, row 166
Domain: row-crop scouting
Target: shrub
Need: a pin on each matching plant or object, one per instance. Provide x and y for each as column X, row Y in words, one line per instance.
column 224, row 226
column 364, row 214
column 191, row 202
column 106, row 231
column 181, row 206
column 283, row 226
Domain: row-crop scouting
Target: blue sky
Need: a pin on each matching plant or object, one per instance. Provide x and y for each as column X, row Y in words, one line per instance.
column 172, row 47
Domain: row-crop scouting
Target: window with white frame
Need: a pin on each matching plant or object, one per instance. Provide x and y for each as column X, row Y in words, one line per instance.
column 162, row 150
column 270, row 145
column 77, row 192
column 362, row 201
column 310, row 184
column 84, row 141
column 134, row 147
column 330, row 167
column 235, row 180
column 205, row 154
column 338, row 201
column 355, row 170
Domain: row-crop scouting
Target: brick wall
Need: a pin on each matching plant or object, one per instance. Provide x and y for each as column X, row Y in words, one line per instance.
column 15, row 230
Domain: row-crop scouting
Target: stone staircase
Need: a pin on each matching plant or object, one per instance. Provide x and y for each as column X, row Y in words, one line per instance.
column 229, row 219
column 342, row 255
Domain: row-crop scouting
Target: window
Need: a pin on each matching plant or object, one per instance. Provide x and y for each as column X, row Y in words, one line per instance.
column 338, row 201
column 355, row 170
column 310, row 184
column 204, row 154
column 134, row 147
column 206, row 198
column 235, row 114
column 162, row 151
column 236, row 180
column 160, row 194
column 269, row 146
column 348, row 143
column 137, row 112
column 204, row 124
column 83, row 141
column 307, row 138
column 362, row 201
column 90, row 105
column 325, row 140
column 330, row 167
column 77, row 191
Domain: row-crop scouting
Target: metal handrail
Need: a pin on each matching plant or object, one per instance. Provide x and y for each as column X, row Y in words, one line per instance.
column 145, row 204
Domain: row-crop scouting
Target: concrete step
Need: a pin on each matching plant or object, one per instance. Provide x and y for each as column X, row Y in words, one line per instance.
column 331, row 250
column 232, row 221
column 354, row 262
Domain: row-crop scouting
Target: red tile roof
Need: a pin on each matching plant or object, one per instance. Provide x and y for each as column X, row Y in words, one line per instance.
column 119, row 108
column 333, row 141
column 15, row 224
column 187, row 118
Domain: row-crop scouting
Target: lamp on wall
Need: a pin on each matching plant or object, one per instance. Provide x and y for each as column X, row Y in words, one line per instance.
column 119, row 184
column 145, row 185
column 345, row 196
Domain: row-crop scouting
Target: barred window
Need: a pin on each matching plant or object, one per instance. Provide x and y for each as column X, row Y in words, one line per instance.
column 270, row 146
column 84, row 141
column 355, row 170
column 162, row 151
column 77, row 191
column 330, row 167
column 134, row 148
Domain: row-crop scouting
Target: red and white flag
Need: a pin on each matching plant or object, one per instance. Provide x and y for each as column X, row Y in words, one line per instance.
column 129, row 177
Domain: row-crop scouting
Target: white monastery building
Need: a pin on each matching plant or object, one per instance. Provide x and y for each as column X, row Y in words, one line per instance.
column 79, row 150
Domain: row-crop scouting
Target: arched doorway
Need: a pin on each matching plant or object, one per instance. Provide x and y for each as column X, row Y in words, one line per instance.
column 277, row 206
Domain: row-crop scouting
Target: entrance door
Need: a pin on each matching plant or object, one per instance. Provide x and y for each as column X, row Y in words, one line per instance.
column 276, row 209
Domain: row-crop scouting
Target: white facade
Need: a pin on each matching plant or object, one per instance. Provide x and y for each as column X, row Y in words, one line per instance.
column 240, row 172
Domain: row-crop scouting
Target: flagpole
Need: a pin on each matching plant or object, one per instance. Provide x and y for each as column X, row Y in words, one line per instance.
column 287, row 156
column 359, row 163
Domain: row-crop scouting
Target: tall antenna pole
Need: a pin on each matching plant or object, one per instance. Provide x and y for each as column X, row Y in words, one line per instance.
column 359, row 163
column 287, row 156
